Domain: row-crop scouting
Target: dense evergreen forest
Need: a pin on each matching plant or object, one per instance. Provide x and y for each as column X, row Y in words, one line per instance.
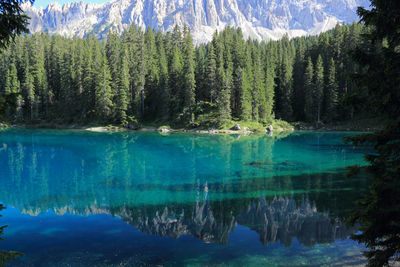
column 151, row 76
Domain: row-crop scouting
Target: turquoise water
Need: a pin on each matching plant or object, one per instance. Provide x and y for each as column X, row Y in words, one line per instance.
column 78, row 198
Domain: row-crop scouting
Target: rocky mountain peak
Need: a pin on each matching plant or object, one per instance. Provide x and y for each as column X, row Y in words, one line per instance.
column 259, row 19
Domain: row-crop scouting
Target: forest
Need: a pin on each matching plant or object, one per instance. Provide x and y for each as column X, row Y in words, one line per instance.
column 155, row 77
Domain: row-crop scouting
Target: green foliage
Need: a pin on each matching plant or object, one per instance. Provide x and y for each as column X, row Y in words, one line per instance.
column 331, row 94
column 13, row 21
column 280, row 125
column 162, row 77
column 308, row 90
column 378, row 212
column 318, row 88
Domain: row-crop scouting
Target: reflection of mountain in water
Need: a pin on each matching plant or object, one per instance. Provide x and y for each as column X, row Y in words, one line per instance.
column 278, row 220
column 127, row 175
column 282, row 220
column 198, row 220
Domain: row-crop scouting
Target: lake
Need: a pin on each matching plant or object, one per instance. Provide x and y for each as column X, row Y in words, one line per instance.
column 78, row 198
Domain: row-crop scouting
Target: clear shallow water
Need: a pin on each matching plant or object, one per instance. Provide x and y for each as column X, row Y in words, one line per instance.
column 126, row 199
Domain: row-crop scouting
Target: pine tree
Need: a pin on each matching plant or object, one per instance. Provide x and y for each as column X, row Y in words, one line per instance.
column 308, row 90
column 152, row 74
column 258, row 90
column 245, row 89
column 189, row 82
column 113, row 49
column 284, row 104
column 378, row 212
column 28, row 92
column 331, row 97
column 238, row 61
column 103, row 95
column 211, row 71
column 175, row 81
column 223, row 83
column 298, row 81
column 38, row 73
column 121, row 97
column 88, row 82
column 318, row 88
column 269, row 89
column 163, row 89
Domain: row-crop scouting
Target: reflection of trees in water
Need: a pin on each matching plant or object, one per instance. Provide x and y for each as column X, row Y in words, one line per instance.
column 81, row 175
column 6, row 256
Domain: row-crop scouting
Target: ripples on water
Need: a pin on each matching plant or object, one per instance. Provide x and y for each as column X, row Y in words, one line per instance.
column 123, row 199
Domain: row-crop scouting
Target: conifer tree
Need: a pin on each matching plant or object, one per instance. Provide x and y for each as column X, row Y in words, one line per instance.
column 156, row 76
column 189, row 83
column 284, row 104
column 331, row 97
column 298, row 81
column 121, row 97
column 245, row 89
column 163, row 89
column 223, row 84
column 211, row 71
column 28, row 92
column 258, row 90
column 269, row 89
column 175, row 81
column 318, row 88
column 378, row 212
column 103, row 95
column 308, row 90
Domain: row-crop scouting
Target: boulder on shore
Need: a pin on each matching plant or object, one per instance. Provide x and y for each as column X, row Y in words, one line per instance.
column 236, row 127
column 270, row 128
column 164, row 130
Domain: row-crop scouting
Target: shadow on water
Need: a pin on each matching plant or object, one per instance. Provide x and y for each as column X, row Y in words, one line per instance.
column 6, row 256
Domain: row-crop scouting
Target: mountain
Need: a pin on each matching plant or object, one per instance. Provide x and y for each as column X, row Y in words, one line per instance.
column 259, row 19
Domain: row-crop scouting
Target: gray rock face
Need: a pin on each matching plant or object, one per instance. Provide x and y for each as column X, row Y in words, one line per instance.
column 259, row 19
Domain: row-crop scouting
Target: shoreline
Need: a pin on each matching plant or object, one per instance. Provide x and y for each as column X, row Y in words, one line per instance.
column 113, row 128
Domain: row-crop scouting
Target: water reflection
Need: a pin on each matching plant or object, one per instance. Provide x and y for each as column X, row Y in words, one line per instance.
column 316, row 216
column 286, row 189
column 280, row 219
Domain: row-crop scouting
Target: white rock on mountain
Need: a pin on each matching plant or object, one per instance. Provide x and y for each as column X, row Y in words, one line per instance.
column 259, row 19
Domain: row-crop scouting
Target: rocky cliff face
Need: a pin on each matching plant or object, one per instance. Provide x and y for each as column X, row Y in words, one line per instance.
column 259, row 19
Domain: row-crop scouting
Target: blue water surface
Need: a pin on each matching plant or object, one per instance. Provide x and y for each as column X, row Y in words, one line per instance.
column 78, row 198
